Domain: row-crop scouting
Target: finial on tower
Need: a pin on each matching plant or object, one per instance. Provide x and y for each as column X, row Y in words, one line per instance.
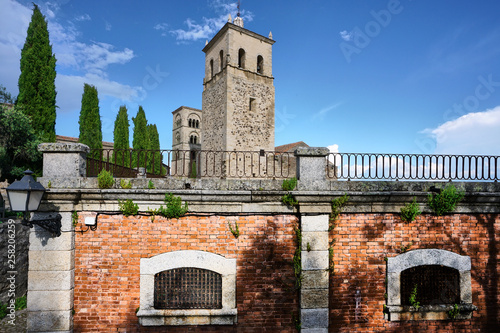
column 239, row 3
column 238, row 20
column 270, row 35
column 229, row 18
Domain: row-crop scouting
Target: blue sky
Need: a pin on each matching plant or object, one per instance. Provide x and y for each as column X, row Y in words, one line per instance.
column 408, row 76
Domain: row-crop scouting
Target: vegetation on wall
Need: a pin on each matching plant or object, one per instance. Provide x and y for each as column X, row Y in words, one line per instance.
column 128, row 207
column 337, row 205
column 289, row 185
column 124, row 184
column 297, row 259
column 105, row 179
column 446, row 200
column 173, row 209
column 236, row 230
column 410, row 211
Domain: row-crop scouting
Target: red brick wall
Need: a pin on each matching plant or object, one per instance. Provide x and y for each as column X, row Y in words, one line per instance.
column 362, row 242
column 107, row 267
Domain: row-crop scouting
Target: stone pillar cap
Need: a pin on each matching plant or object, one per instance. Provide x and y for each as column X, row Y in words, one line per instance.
column 63, row 148
column 311, row 151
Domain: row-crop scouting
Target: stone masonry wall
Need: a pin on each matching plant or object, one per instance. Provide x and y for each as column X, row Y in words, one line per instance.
column 107, row 269
column 362, row 241
column 213, row 132
column 21, row 259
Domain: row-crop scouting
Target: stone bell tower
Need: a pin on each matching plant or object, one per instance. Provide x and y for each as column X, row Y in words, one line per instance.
column 238, row 92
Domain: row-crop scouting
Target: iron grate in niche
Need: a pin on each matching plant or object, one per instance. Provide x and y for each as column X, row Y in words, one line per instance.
column 436, row 284
column 188, row 288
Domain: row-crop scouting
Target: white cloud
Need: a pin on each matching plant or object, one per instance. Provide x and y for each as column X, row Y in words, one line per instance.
column 346, row 35
column 323, row 112
column 108, row 26
column 474, row 133
column 333, row 148
column 84, row 17
column 163, row 27
column 209, row 26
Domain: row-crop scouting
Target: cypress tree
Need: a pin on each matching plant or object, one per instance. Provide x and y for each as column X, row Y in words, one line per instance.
column 154, row 160
column 121, row 138
column 90, row 120
column 37, row 89
column 140, row 141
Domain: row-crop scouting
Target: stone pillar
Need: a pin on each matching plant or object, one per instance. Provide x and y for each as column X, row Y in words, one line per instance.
column 51, row 274
column 64, row 160
column 315, row 275
column 51, row 270
column 311, row 168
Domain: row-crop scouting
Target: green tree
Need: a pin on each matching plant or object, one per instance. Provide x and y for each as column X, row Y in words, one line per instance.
column 121, row 138
column 154, row 158
column 37, row 89
column 140, row 140
column 5, row 96
column 90, row 120
column 18, row 145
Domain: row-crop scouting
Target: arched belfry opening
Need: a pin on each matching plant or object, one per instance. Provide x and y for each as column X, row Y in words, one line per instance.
column 241, row 58
column 260, row 64
column 221, row 60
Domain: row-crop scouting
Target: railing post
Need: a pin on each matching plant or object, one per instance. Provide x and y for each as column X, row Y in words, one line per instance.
column 311, row 167
column 64, row 159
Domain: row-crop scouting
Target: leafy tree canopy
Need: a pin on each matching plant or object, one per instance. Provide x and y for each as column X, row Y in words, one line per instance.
column 90, row 119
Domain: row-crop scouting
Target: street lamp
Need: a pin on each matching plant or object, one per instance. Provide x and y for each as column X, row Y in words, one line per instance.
column 25, row 196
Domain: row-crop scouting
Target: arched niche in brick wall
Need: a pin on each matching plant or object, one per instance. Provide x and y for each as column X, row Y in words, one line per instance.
column 226, row 267
column 425, row 259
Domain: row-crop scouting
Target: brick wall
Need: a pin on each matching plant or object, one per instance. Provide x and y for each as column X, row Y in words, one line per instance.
column 363, row 240
column 107, row 263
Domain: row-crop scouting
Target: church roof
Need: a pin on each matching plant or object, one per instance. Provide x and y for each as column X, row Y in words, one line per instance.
column 290, row 147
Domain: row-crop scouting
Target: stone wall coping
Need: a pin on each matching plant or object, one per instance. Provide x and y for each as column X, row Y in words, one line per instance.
column 63, row 148
column 312, row 151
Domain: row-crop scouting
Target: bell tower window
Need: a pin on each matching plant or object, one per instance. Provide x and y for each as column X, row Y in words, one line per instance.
column 211, row 68
column 260, row 65
column 221, row 59
column 241, row 58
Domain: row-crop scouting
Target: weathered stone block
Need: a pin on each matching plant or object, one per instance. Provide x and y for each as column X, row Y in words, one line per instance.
column 314, row 298
column 51, row 280
column 314, row 318
column 50, row 321
column 52, row 300
column 318, row 241
column 315, row 223
column 42, row 240
column 315, row 260
column 315, row 279
column 51, row 260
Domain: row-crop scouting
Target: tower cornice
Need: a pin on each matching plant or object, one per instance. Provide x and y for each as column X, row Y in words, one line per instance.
column 232, row 26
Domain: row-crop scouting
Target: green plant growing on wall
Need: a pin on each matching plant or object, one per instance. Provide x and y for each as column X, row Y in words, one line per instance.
column 74, row 218
column 151, row 186
column 124, row 184
column 308, row 247
column 20, row 303
column 413, row 298
column 3, row 311
column 453, row 313
column 296, row 322
column 236, row 230
column 49, row 184
column 331, row 266
column 404, row 248
column 410, row 211
column 173, row 209
column 128, row 207
column 337, row 206
column 289, row 185
column 105, row 179
column 445, row 201
column 297, row 259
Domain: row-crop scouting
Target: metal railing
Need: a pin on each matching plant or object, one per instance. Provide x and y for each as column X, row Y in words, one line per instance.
column 195, row 164
column 359, row 166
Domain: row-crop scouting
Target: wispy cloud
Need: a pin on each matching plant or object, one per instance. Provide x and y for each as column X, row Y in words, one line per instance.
column 87, row 62
column 209, row 26
column 84, row 17
column 473, row 133
column 162, row 27
column 346, row 35
column 323, row 112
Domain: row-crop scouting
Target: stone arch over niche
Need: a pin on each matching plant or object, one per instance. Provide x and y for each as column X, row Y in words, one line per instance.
column 221, row 60
column 149, row 267
column 178, row 121
column 424, row 258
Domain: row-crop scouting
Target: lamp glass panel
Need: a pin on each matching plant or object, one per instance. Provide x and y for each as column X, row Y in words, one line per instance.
column 17, row 200
column 35, row 199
